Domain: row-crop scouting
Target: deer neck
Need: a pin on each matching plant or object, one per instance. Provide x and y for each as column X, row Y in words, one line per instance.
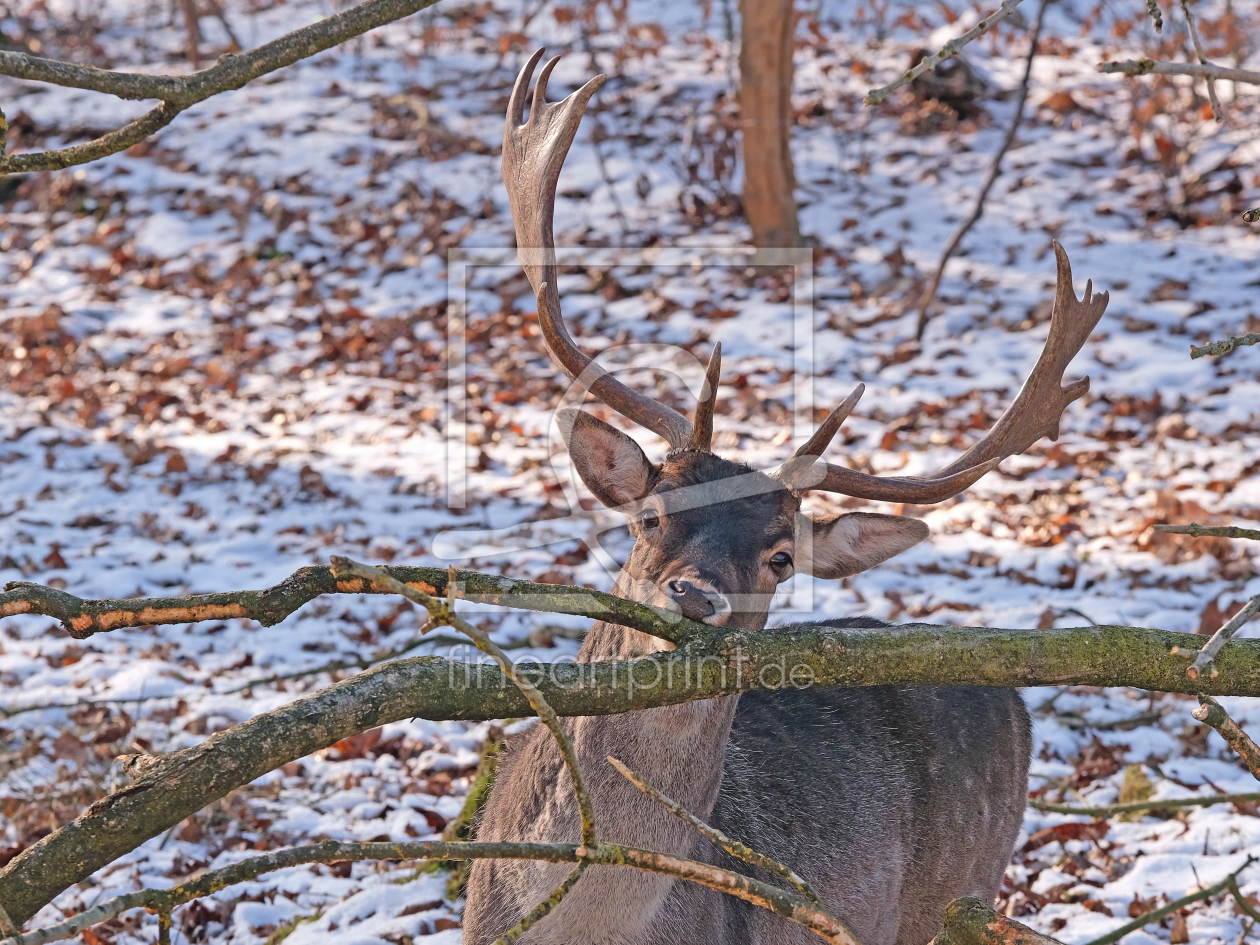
column 679, row 749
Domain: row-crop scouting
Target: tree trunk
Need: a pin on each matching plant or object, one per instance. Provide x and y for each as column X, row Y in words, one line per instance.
column 765, row 67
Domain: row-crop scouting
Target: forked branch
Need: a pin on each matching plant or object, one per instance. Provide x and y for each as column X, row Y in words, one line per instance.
column 83, row 618
column 179, row 92
column 208, row 882
column 443, row 612
column 724, row 662
column 948, row 51
column 715, row 836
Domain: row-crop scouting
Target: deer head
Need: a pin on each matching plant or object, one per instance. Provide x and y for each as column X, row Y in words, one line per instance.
column 714, row 538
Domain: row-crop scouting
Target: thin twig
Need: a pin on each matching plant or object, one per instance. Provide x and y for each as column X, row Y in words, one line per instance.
column 1137, row 67
column 1243, row 904
column 1211, row 713
column 1168, row 803
column 929, row 294
column 715, row 836
column 948, row 51
column 1224, row 347
column 443, row 612
column 1210, row 531
column 1169, row 908
column 544, row 907
column 336, row 665
column 1203, row 60
column 6, row 924
column 179, row 92
column 1203, row 662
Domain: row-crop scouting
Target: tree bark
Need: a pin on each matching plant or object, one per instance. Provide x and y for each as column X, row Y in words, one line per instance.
column 765, row 67
column 720, row 663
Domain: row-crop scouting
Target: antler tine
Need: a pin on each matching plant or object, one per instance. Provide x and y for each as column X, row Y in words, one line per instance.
column 1038, row 407
column 818, row 443
column 803, row 473
column 533, row 154
column 702, row 428
column 1035, row 412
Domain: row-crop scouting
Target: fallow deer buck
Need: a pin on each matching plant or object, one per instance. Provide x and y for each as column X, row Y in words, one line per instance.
column 890, row 801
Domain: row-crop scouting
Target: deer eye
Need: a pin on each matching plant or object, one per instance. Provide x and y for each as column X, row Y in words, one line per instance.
column 781, row 561
column 649, row 519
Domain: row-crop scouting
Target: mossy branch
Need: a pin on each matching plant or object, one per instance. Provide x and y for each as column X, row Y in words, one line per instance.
column 712, row 662
column 1210, row 531
column 1140, row 807
column 83, row 618
column 969, row 921
column 1212, row 349
column 163, row 901
column 727, row 661
column 443, row 612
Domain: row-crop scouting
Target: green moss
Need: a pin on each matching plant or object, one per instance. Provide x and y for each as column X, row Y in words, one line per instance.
column 1137, row 787
column 287, row 928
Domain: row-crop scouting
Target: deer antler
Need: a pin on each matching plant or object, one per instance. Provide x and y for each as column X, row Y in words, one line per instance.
column 1034, row 413
column 533, row 153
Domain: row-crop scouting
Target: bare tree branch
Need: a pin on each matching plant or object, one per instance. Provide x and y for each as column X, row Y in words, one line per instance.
column 443, row 612
column 1155, row 915
column 179, row 92
column 929, row 294
column 1136, row 807
column 1137, row 67
column 1203, row 661
column 544, row 907
column 948, row 51
column 82, row 618
column 969, row 921
column 95, row 149
column 715, row 836
column 1210, row 713
column 331, row 851
column 1210, row 531
column 1224, row 347
column 722, row 662
column 1203, row 60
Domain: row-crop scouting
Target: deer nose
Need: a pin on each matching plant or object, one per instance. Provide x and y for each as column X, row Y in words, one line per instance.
column 694, row 603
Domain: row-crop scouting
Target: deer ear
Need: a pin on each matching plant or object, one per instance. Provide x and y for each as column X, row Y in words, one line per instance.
column 846, row 544
column 611, row 464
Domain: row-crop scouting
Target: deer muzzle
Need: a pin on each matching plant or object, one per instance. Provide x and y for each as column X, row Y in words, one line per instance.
column 698, row 602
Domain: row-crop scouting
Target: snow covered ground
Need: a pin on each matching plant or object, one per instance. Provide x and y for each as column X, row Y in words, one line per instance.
column 226, row 355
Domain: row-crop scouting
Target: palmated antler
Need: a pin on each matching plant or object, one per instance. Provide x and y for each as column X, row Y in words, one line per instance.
column 533, row 153
column 1034, row 413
